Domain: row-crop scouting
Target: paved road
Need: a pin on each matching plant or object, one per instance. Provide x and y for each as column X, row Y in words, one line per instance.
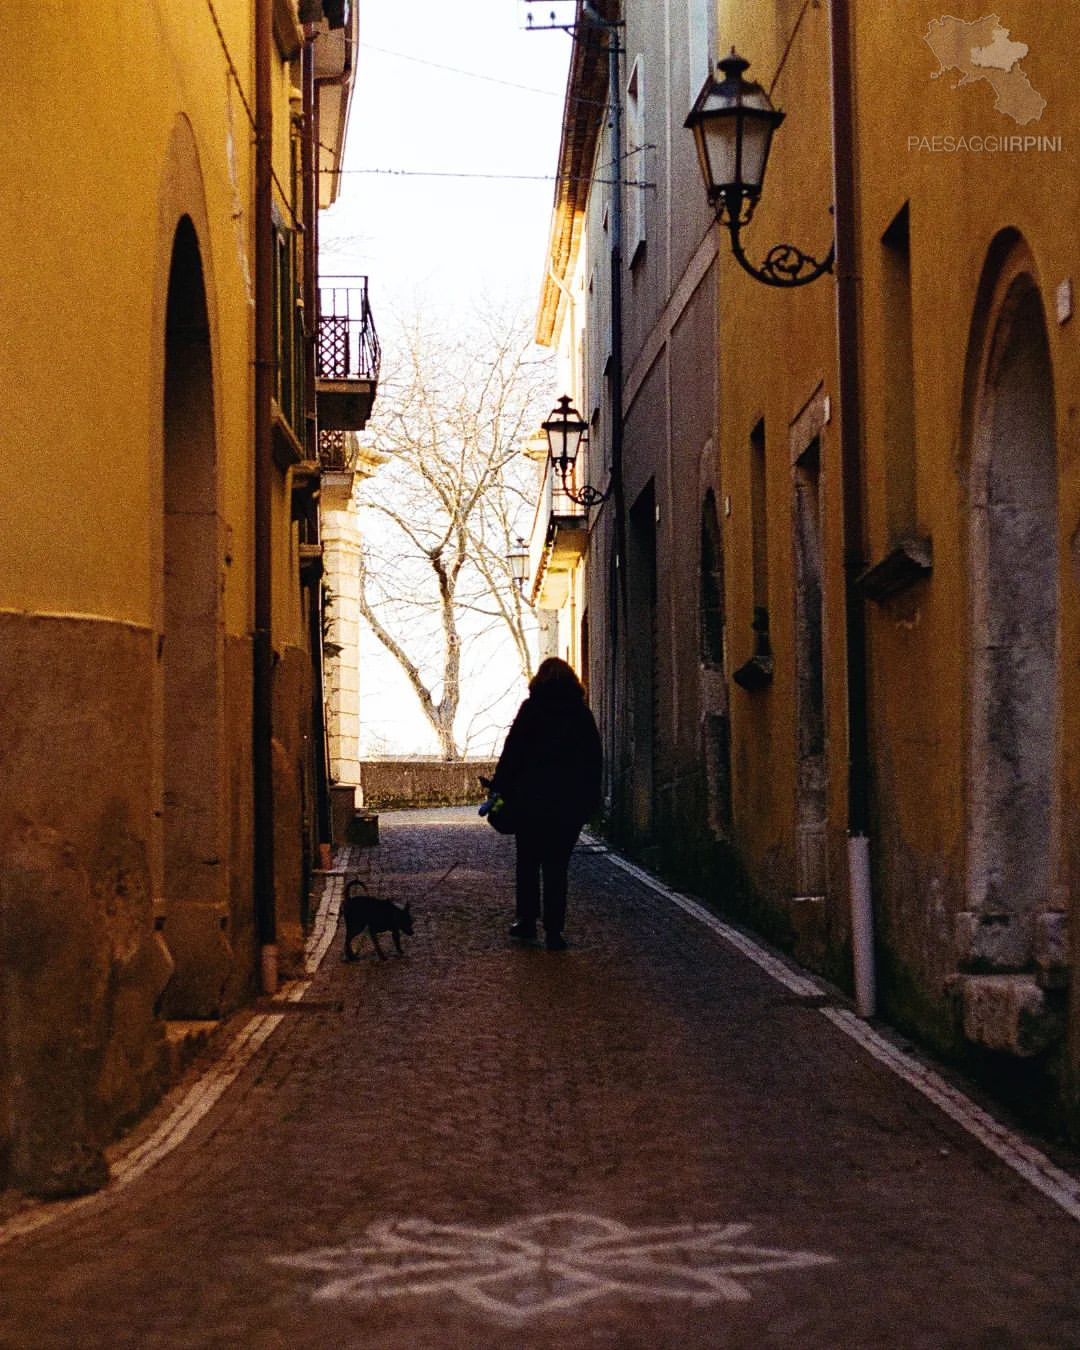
column 641, row 1142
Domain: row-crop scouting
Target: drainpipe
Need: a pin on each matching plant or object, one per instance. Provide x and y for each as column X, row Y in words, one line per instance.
column 262, row 690
column 318, row 82
column 310, row 179
column 849, row 374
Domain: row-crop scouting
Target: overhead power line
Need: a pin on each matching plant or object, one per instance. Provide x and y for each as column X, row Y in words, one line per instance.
column 496, row 177
column 458, row 70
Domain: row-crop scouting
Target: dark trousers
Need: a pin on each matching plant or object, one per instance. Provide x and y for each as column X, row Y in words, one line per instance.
column 544, row 851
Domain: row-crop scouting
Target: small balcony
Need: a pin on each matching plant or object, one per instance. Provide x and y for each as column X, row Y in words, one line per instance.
column 347, row 355
column 560, row 536
column 338, row 451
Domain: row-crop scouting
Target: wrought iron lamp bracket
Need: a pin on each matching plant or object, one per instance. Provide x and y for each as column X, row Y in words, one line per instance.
column 586, row 495
column 784, row 265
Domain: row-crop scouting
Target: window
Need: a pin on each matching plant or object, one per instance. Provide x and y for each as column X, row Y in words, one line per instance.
column 711, row 600
column 288, row 330
column 700, row 16
column 759, row 523
column 899, row 372
column 635, row 161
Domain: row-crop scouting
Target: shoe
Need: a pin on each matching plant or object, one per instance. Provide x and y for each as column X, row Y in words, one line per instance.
column 524, row 932
column 555, row 942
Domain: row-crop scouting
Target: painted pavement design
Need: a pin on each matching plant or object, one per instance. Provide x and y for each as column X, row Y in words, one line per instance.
column 547, row 1264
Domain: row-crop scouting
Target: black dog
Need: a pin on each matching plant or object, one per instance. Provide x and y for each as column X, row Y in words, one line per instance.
column 361, row 911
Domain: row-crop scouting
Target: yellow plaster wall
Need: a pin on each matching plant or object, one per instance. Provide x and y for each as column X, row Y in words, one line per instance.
column 959, row 202
column 98, row 98
column 777, row 347
column 776, row 350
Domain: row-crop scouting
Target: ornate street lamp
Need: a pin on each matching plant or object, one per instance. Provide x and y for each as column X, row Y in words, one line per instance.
column 517, row 558
column 564, row 430
column 733, row 123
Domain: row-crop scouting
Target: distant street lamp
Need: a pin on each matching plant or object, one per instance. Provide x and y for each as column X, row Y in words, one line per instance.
column 733, row 123
column 517, row 558
column 564, row 430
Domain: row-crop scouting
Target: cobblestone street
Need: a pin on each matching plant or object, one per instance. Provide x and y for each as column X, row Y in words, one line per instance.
column 645, row 1141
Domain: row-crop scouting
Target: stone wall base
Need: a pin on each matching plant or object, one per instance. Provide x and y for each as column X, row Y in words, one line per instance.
column 399, row 784
column 1008, row 1013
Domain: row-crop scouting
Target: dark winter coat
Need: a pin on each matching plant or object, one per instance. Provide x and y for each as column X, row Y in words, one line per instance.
column 550, row 767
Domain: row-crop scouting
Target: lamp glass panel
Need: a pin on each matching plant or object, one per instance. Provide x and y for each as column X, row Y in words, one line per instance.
column 563, row 444
column 757, row 133
column 519, row 562
column 718, row 133
column 564, row 431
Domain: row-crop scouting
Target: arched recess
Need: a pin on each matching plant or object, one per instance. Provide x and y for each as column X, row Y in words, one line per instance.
column 1014, row 606
column 194, row 837
column 715, row 719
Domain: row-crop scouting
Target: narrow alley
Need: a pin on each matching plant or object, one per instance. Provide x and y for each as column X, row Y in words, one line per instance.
column 653, row 1139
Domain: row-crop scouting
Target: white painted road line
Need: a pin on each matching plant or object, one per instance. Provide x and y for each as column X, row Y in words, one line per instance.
column 1023, row 1158
column 193, row 1106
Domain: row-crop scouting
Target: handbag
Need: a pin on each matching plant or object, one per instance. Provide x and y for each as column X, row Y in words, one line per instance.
column 497, row 810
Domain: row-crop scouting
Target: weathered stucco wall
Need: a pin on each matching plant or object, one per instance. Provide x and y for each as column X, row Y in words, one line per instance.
column 84, row 962
column 126, row 599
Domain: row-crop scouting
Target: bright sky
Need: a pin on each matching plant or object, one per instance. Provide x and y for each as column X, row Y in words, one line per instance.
column 441, row 239
column 438, row 242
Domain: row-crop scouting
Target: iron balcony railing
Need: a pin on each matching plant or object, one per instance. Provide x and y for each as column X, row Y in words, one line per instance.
column 348, row 345
column 338, row 449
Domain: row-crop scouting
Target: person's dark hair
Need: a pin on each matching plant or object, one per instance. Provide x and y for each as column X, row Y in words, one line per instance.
column 554, row 674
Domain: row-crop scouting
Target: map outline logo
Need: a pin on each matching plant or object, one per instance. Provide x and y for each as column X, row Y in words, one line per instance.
column 984, row 50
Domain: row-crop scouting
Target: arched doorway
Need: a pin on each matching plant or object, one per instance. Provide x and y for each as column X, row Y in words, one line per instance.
column 1014, row 613
column 192, row 652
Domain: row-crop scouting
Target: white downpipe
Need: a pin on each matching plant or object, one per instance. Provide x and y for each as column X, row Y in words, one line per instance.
column 862, row 924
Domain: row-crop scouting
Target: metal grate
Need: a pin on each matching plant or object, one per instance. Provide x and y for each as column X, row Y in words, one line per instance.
column 348, row 345
column 337, row 449
column 334, row 348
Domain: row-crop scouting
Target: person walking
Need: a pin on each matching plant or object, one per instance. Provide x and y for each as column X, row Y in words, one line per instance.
column 549, row 775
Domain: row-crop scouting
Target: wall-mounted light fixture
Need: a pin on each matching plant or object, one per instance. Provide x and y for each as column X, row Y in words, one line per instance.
column 564, row 430
column 517, row 559
column 733, row 122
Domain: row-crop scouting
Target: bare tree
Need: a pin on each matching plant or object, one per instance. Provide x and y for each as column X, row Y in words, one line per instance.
column 454, row 411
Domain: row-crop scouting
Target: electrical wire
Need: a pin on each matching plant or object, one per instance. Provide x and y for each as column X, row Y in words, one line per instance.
column 458, row 70
column 790, row 43
column 234, row 73
column 499, row 177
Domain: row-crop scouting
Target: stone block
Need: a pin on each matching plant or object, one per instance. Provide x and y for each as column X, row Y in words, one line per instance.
column 1052, row 949
column 993, row 941
column 198, row 940
column 1009, row 1013
column 184, row 1040
column 343, row 804
column 1052, row 940
column 53, row 984
column 364, row 829
column 807, row 917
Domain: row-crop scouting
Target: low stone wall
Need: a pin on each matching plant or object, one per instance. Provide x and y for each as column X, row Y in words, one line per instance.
column 396, row 783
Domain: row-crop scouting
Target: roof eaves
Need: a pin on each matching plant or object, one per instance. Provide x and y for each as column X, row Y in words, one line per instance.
column 583, row 118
